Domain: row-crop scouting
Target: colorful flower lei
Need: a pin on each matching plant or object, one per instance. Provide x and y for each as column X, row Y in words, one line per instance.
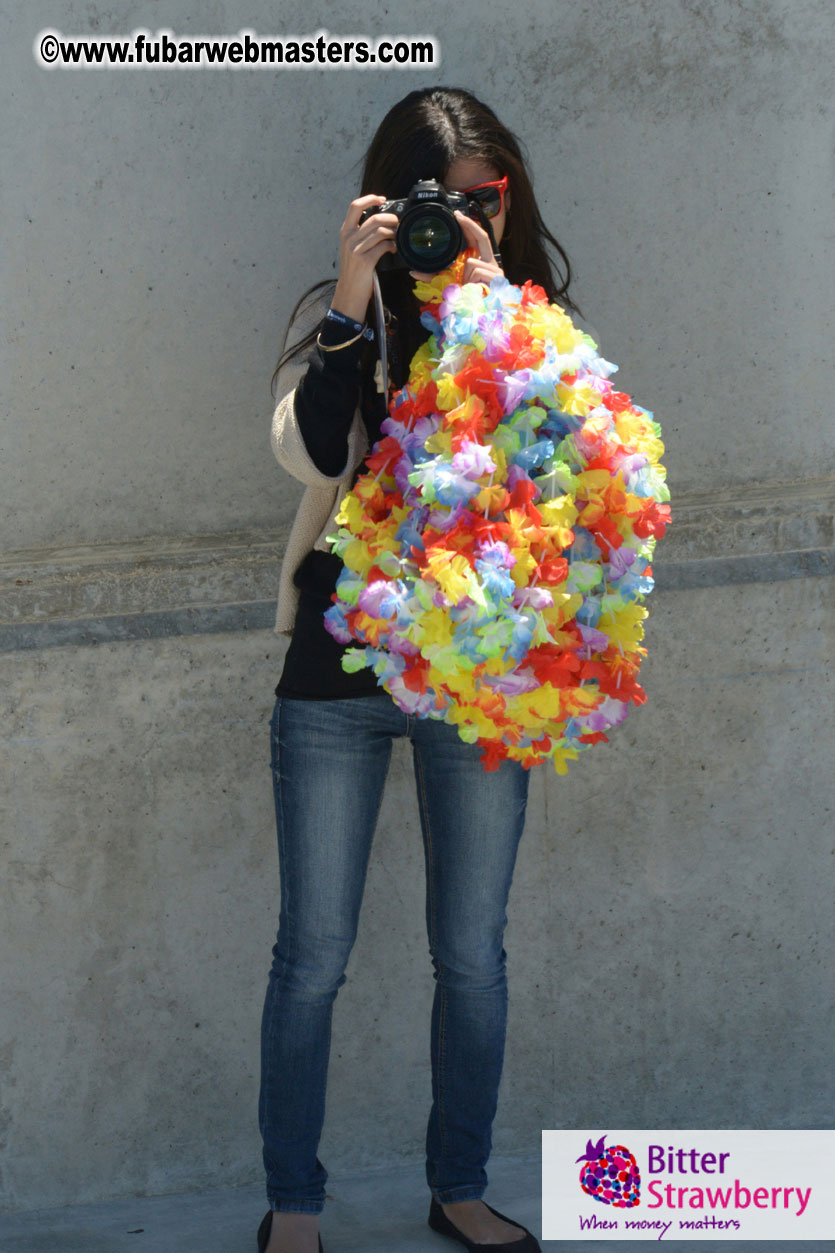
column 497, row 549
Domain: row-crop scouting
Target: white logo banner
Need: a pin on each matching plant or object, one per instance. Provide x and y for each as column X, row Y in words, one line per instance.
column 688, row 1185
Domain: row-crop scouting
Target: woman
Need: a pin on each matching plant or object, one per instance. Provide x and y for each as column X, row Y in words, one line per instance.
column 331, row 732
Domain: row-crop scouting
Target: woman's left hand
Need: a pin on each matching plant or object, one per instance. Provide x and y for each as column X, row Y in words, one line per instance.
column 480, row 269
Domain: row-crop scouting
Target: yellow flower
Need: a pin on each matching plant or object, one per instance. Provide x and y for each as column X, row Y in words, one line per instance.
column 636, row 430
column 561, row 509
column 624, row 627
column 464, row 686
column 563, row 610
column 353, row 516
column 453, row 573
column 358, row 557
column 434, row 627
column 450, row 395
column 524, row 566
column 548, row 324
column 561, row 757
column 441, row 441
column 421, row 366
column 577, row 398
column 433, row 289
column 485, row 727
column 489, row 498
column 544, row 702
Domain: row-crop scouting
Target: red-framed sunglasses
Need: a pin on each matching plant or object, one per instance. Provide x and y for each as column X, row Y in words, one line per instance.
column 490, row 196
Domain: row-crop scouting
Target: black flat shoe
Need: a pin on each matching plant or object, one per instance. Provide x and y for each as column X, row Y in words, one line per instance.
column 439, row 1222
column 265, row 1229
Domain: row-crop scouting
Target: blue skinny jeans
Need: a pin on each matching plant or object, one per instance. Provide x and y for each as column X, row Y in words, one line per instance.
column 329, row 760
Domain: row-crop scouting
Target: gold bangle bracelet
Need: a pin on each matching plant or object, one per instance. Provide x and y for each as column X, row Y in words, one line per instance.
column 336, row 347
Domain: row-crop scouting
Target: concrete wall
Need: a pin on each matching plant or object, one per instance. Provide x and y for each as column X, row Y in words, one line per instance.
column 671, row 910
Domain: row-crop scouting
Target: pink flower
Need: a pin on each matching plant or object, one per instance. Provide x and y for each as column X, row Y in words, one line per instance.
column 473, row 459
column 534, row 597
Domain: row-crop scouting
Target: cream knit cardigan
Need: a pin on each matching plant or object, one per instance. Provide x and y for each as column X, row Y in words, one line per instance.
column 323, row 495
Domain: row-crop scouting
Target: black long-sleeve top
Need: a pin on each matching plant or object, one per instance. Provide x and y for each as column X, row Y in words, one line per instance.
column 325, row 401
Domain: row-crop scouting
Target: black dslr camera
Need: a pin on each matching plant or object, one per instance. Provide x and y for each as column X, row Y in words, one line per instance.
column 428, row 236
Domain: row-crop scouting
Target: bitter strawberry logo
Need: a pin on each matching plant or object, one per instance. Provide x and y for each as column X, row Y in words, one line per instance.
column 610, row 1175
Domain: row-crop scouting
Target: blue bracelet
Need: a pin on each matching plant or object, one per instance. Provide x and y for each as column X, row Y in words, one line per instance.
column 341, row 319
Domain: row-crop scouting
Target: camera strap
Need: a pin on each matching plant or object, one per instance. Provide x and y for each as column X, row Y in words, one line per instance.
column 485, row 222
column 381, row 336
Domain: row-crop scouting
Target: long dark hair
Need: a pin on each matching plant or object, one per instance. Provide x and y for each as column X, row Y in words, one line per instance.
column 420, row 137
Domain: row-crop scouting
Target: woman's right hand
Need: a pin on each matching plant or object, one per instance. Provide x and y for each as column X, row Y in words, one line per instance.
column 361, row 247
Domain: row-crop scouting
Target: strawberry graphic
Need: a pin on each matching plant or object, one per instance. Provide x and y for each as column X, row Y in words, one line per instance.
column 610, row 1175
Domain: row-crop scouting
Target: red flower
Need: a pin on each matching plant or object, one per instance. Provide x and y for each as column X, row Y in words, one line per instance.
column 617, row 402
column 555, row 665
column 388, row 451
column 653, row 521
column 533, row 294
column 493, row 754
column 414, row 676
column 606, row 535
column 522, row 495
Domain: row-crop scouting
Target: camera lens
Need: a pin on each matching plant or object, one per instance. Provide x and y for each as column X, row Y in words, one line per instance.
column 429, row 238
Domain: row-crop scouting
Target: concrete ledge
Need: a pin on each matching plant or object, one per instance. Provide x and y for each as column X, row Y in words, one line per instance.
column 139, row 576
column 751, row 520
column 762, row 568
column 196, row 620
column 205, row 584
